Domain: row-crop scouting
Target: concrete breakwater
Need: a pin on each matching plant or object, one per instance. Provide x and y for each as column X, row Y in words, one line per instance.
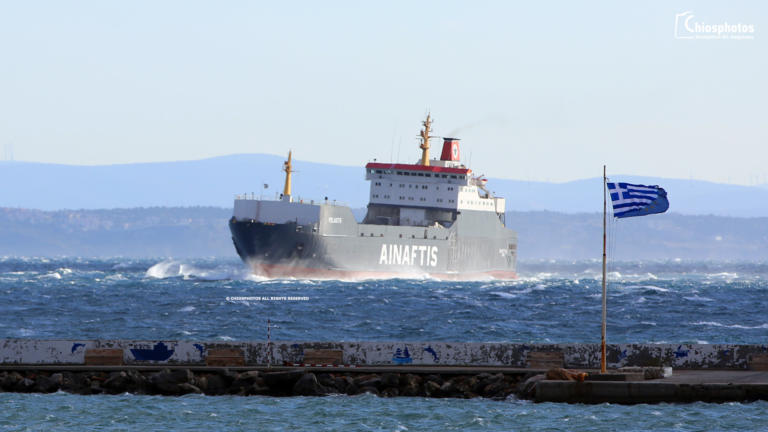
column 296, row 382
column 172, row 352
column 437, row 369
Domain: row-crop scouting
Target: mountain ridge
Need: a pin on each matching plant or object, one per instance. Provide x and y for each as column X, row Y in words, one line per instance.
column 215, row 181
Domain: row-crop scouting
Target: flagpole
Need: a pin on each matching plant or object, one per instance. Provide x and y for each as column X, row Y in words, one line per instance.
column 602, row 343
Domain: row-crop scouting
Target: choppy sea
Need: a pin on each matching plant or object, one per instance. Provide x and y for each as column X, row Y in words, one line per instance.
column 217, row 299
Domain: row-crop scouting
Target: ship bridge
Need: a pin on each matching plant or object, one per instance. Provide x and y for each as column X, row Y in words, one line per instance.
column 421, row 195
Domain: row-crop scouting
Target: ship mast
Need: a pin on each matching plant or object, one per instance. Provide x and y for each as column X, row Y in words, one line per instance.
column 425, row 140
column 288, row 168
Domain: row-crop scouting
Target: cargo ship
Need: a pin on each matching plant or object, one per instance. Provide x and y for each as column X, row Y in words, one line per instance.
column 432, row 218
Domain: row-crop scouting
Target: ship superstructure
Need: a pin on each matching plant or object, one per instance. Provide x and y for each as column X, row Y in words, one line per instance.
column 430, row 218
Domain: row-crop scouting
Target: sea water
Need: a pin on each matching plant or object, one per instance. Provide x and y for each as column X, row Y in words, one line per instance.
column 218, row 300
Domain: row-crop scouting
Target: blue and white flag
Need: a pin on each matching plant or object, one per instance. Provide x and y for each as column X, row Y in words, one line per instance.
column 637, row 200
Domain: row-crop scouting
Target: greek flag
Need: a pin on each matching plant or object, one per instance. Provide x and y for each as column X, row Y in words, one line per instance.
column 637, row 200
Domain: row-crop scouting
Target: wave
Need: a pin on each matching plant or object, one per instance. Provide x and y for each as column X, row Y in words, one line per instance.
column 646, row 287
column 697, row 298
column 723, row 275
column 504, row 294
column 177, row 269
column 737, row 326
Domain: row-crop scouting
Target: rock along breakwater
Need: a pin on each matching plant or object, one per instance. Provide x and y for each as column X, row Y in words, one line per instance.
column 298, row 382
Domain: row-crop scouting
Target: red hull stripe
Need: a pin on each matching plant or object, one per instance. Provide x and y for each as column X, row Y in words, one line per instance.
column 283, row 271
column 407, row 167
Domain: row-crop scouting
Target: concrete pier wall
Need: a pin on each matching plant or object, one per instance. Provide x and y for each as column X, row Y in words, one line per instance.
column 679, row 356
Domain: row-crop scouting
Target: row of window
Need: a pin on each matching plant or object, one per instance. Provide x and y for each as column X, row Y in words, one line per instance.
column 403, row 198
column 426, row 187
column 485, row 203
column 417, row 174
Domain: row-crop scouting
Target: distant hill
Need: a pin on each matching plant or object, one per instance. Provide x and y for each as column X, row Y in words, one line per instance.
column 550, row 235
column 139, row 232
column 215, row 181
column 202, row 232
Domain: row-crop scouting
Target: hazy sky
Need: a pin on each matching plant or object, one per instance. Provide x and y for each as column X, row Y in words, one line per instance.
column 536, row 90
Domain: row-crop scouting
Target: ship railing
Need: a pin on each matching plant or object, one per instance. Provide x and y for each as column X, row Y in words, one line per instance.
column 252, row 196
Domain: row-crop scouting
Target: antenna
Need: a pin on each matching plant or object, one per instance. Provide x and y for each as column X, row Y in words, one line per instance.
column 392, row 144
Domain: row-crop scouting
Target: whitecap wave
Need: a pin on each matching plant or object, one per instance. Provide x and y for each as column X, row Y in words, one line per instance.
column 697, row 298
column 164, row 269
column 723, row 275
column 173, row 269
column 736, row 326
